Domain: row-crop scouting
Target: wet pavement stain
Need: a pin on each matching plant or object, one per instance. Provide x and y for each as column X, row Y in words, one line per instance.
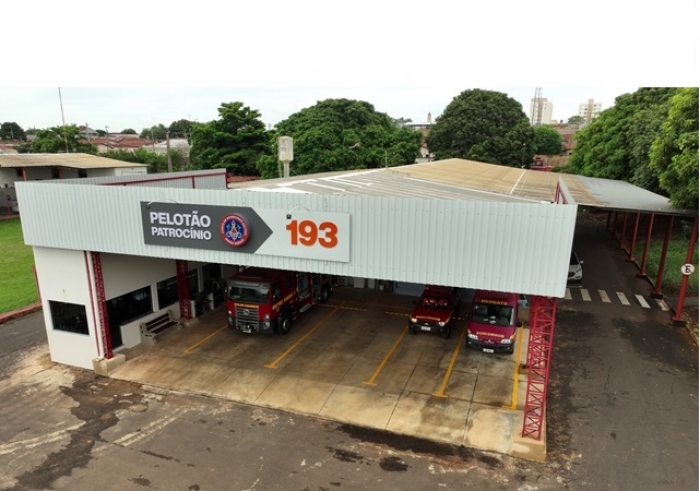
column 141, row 481
column 345, row 455
column 97, row 407
column 393, row 464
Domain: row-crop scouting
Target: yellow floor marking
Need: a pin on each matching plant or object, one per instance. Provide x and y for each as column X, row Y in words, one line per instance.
column 336, row 306
column 273, row 365
column 516, row 373
column 446, row 378
column 189, row 350
column 374, row 376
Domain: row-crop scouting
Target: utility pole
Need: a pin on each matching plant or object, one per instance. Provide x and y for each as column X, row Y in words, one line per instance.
column 167, row 150
column 65, row 137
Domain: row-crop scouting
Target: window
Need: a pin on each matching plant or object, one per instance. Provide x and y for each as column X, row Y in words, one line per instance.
column 19, row 172
column 55, row 173
column 167, row 292
column 129, row 307
column 68, row 317
column 82, row 173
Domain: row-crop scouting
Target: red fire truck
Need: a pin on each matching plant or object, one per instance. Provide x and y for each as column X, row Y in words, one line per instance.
column 494, row 321
column 265, row 301
column 434, row 310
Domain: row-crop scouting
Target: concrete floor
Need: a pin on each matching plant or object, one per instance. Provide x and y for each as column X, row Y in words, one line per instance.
column 352, row 360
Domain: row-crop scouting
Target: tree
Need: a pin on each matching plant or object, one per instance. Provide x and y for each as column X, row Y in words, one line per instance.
column 341, row 134
column 548, row 141
column 55, row 140
column 485, row 126
column 674, row 153
column 128, row 131
column 156, row 162
column 101, row 133
column 155, row 132
column 181, row 127
column 235, row 141
column 616, row 144
column 577, row 120
column 12, row 131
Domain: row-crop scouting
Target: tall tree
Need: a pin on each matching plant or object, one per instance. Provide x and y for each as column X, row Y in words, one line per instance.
column 616, row 144
column 483, row 125
column 12, row 131
column 548, row 141
column 128, row 131
column 342, row 134
column 155, row 132
column 576, row 120
column 674, row 153
column 180, row 128
column 235, row 141
column 156, row 162
column 55, row 140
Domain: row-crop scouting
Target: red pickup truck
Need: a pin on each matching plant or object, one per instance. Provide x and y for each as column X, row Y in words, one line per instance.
column 434, row 310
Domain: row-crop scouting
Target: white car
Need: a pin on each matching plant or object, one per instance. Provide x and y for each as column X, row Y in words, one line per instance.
column 575, row 269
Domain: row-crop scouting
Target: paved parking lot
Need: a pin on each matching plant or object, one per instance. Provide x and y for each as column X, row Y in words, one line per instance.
column 352, row 360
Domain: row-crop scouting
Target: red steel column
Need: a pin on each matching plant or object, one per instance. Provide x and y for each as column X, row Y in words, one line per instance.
column 678, row 317
column 642, row 269
column 183, row 289
column 624, row 230
column 662, row 261
column 102, row 304
column 542, row 315
column 630, row 257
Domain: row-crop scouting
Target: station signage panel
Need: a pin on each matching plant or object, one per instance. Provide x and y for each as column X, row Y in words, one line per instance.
column 297, row 233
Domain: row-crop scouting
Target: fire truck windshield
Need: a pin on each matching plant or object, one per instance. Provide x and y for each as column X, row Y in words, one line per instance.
column 248, row 294
column 500, row 315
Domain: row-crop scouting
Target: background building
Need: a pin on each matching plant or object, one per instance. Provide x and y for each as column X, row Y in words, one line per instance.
column 540, row 111
column 589, row 110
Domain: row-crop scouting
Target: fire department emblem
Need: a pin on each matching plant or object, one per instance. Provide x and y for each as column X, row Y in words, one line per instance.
column 234, row 230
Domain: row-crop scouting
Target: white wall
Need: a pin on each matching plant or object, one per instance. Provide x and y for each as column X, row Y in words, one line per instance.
column 63, row 277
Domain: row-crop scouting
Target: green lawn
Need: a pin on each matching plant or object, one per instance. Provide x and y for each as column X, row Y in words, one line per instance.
column 675, row 258
column 17, row 287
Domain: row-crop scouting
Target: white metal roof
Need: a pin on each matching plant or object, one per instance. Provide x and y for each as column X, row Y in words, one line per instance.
column 71, row 160
column 471, row 180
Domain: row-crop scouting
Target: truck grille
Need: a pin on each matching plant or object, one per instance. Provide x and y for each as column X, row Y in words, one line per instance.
column 246, row 316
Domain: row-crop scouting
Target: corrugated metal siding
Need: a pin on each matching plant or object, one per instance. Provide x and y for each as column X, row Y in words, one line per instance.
column 500, row 246
column 176, row 179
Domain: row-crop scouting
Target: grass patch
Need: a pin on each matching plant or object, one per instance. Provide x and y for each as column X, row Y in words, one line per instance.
column 675, row 258
column 17, row 287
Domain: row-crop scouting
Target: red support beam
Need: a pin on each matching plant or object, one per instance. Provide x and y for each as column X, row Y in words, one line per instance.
column 102, row 304
column 678, row 317
column 624, row 231
column 630, row 257
column 662, row 260
column 183, row 288
column 643, row 267
column 542, row 316
column 24, row 173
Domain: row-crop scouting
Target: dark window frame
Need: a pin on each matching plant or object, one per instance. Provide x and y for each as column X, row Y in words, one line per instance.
column 69, row 317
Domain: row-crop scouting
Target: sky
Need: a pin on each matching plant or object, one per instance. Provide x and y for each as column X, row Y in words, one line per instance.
column 115, row 109
column 145, row 63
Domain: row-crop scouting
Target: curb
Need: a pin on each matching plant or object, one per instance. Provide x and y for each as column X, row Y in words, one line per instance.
column 8, row 316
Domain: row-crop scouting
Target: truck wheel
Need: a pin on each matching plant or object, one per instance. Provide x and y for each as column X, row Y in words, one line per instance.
column 510, row 350
column 285, row 324
column 324, row 295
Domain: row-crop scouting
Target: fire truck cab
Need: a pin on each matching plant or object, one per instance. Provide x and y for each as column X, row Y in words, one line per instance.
column 265, row 301
column 494, row 322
